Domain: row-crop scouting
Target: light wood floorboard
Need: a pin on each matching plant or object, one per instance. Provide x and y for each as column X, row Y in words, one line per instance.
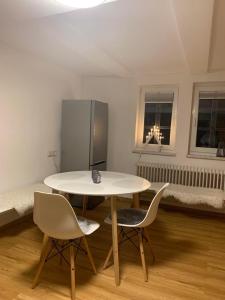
column 190, row 262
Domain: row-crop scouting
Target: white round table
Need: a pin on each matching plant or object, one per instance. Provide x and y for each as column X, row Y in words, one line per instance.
column 112, row 184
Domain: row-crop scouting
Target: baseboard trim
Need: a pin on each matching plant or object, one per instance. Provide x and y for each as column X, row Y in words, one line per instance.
column 20, row 220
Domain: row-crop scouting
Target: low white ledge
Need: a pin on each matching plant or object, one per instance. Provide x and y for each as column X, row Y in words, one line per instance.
column 200, row 156
column 151, row 152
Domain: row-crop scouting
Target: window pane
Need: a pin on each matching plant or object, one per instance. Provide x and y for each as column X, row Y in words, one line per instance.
column 150, row 114
column 211, row 123
column 166, row 135
column 159, row 114
column 166, row 114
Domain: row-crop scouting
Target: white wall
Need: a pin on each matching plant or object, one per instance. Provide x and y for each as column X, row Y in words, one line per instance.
column 123, row 96
column 31, row 91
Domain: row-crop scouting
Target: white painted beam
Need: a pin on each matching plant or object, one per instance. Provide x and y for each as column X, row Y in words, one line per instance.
column 194, row 21
column 217, row 49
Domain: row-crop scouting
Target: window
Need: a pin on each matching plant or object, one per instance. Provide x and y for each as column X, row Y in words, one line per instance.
column 157, row 114
column 208, row 119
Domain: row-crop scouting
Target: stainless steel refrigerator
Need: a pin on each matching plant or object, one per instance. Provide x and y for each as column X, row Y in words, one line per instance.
column 84, row 134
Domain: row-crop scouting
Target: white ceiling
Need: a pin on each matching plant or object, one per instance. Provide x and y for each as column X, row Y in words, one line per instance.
column 122, row 38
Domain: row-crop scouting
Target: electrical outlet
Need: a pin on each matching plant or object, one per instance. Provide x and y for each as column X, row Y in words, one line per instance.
column 52, row 153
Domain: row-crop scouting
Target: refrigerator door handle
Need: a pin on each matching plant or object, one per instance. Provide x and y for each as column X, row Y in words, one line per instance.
column 98, row 163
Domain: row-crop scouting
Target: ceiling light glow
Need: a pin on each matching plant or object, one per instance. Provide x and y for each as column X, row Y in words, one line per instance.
column 82, row 3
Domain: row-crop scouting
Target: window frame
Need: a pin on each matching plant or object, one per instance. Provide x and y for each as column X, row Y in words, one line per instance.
column 155, row 148
column 201, row 87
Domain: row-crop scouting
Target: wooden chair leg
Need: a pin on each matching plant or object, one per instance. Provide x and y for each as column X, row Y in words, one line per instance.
column 142, row 255
column 149, row 243
column 72, row 272
column 44, row 241
column 107, row 258
column 45, row 238
column 89, row 255
column 44, row 253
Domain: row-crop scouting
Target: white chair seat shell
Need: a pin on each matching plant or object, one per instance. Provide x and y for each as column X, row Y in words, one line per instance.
column 56, row 218
column 137, row 217
column 128, row 217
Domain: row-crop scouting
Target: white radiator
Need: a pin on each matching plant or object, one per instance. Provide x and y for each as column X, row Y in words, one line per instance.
column 185, row 175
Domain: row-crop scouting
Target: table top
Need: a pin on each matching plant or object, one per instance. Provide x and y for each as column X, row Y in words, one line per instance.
column 112, row 183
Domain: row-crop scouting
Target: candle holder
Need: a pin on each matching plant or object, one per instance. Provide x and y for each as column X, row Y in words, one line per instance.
column 154, row 133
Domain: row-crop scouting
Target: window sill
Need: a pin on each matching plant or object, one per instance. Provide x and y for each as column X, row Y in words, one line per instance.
column 210, row 157
column 162, row 152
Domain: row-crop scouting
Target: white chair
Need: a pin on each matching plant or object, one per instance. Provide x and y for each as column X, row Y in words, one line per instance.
column 56, row 218
column 137, row 220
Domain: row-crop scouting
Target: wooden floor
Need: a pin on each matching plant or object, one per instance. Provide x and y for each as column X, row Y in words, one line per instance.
column 190, row 263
